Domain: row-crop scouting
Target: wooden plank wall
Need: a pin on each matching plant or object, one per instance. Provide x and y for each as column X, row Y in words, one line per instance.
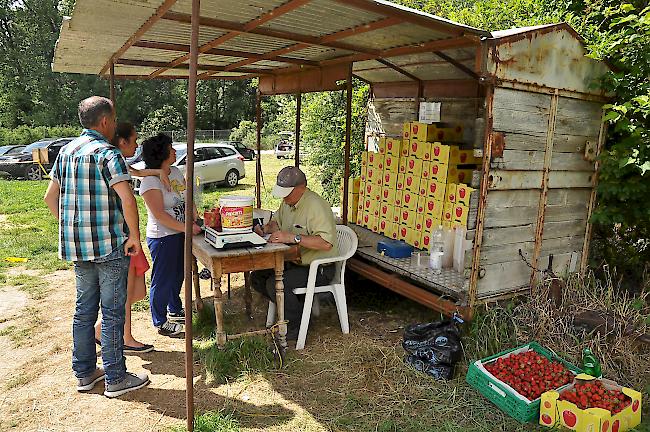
column 389, row 114
column 515, row 186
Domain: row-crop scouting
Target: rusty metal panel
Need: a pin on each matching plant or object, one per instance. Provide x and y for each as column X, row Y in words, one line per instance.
column 432, row 89
column 552, row 57
column 310, row 80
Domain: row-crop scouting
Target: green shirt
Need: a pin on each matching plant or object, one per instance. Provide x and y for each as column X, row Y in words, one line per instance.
column 311, row 216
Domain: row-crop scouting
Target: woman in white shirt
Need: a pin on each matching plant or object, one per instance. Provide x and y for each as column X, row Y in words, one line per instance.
column 165, row 234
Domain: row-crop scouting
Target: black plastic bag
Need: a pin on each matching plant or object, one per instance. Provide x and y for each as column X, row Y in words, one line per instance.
column 433, row 348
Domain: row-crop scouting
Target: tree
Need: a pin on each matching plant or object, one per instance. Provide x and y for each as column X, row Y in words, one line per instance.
column 163, row 119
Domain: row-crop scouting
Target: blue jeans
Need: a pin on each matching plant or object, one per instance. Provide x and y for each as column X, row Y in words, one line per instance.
column 100, row 281
column 167, row 276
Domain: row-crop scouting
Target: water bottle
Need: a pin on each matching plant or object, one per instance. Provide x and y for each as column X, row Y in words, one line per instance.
column 590, row 364
column 435, row 253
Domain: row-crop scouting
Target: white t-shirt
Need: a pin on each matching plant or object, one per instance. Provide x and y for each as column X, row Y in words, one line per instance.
column 173, row 202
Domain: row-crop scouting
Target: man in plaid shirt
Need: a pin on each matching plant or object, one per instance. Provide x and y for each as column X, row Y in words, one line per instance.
column 90, row 194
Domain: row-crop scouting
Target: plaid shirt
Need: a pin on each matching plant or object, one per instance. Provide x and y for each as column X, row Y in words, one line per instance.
column 91, row 222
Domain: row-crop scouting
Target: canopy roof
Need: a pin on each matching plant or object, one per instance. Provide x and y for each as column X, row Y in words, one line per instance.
column 150, row 39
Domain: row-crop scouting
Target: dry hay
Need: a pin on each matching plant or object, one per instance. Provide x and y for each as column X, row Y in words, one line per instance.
column 622, row 358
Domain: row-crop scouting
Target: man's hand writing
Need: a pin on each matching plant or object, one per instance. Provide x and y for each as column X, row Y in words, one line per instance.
column 282, row 237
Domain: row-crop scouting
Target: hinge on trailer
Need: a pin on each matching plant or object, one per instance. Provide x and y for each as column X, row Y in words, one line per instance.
column 498, row 144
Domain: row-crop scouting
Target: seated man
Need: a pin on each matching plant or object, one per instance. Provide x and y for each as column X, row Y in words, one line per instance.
column 306, row 219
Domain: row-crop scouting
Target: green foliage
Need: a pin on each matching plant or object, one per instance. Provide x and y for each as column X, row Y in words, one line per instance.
column 323, row 132
column 212, row 421
column 27, row 135
column 166, row 118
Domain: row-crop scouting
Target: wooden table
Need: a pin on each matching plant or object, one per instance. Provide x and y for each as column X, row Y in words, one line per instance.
column 220, row 262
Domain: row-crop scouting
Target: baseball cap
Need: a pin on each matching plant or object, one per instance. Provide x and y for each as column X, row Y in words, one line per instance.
column 288, row 178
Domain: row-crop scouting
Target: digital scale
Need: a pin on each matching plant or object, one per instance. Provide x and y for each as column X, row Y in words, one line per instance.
column 230, row 240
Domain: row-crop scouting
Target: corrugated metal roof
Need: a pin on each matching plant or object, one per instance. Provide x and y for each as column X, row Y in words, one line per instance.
column 239, row 38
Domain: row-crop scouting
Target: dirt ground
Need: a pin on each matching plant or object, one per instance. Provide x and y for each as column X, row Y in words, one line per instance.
column 38, row 387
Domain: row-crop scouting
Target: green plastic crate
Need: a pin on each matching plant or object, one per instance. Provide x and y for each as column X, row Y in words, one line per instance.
column 503, row 395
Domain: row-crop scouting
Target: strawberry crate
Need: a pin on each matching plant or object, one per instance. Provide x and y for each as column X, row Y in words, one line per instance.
column 502, row 394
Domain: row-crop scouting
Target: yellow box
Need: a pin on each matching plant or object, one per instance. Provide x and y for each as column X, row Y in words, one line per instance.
column 399, row 198
column 412, row 183
column 381, row 146
column 425, row 240
column 435, row 189
column 354, row 183
column 404, row 148
column 364, row 174
column 390, row 179
column 372, row 192
column 373, row 174
column 365, row 219
column 410, row 200
column 413, row 238
column 422, row 203
column 414, row 166
column 406, row 131
column 461, row 213
column 401, row 178
column 453, row 134
column 438, row 172
column 419, row 222
column 456, row 175
column 426, row 170
column 388, row 195
column 433, row 208
column 415, row 149
column 462, row 157
column 391, row 230
column 384, row 226
column 401, row 165
column 554, row 412
column 422, row 131
column 424, row 150
column 463, row 194
column 430, row 223
column 402, row 232
column 386, row 211
column 440, row 152
column 391, row 163
column 448, row 212
column 375, row 160
column 353, row 202
column 375, row 224
column 446, row 225
column 407, row 217
column 450, row 193
column 423, row 190
column 393, row 146
column 359, row 215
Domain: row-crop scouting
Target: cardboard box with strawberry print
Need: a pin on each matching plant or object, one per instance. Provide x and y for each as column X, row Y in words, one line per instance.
column 406, row 131
column 404, row 148
column 412, row 183
column 459, row 175
column 388, row 195
column 410, row 200
column 391, row 163
column 393, row 146
column 463, row 194
column 560, row 408
column 438, row 172
column 389, row 180
column 381, row 145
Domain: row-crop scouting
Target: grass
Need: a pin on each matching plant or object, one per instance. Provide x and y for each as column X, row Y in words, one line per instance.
column 34, row 286
column 212, row 421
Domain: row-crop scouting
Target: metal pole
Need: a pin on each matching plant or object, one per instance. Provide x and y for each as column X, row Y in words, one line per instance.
column 258, row 163
column 189, row 212
column 298, row 106
column 112, row 85
column 346, row 155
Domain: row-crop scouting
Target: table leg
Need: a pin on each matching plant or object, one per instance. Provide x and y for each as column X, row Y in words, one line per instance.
column 198, row 301
column 279, row 298
column 218, row 303
column 248, row 296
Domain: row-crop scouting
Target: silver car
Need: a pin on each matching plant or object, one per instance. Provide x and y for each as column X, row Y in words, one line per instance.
column 213, row 163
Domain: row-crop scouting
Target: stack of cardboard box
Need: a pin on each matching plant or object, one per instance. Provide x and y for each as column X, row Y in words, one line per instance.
column 414, row 184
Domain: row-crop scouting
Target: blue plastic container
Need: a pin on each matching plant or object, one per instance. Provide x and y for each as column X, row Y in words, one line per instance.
column 394, row 248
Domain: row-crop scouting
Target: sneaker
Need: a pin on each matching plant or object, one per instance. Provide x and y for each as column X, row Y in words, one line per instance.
column 87, row 383
column 177, row 317
column 170, row 329
column 145, row 348
column 130, row 382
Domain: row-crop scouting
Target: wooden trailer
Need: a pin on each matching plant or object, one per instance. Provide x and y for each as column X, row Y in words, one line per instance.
column 532, row 109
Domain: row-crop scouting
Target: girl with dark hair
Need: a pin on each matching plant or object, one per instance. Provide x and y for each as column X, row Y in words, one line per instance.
column 165, row 234
column 126, row 141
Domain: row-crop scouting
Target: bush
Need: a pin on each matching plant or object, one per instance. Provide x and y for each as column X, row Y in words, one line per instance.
column 166, row 118
column 23, row 135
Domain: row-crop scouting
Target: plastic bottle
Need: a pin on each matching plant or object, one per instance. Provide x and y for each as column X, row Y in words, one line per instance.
column 435, row 253
column 590, row 364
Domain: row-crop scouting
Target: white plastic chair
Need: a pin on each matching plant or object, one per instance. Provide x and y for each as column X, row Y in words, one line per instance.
column 348, row 242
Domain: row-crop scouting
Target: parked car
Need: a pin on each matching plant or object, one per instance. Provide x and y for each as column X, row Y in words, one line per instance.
column 248, row 153
column 213, row 163
column 284, row 147
column 11, row 150
column 22, row 165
